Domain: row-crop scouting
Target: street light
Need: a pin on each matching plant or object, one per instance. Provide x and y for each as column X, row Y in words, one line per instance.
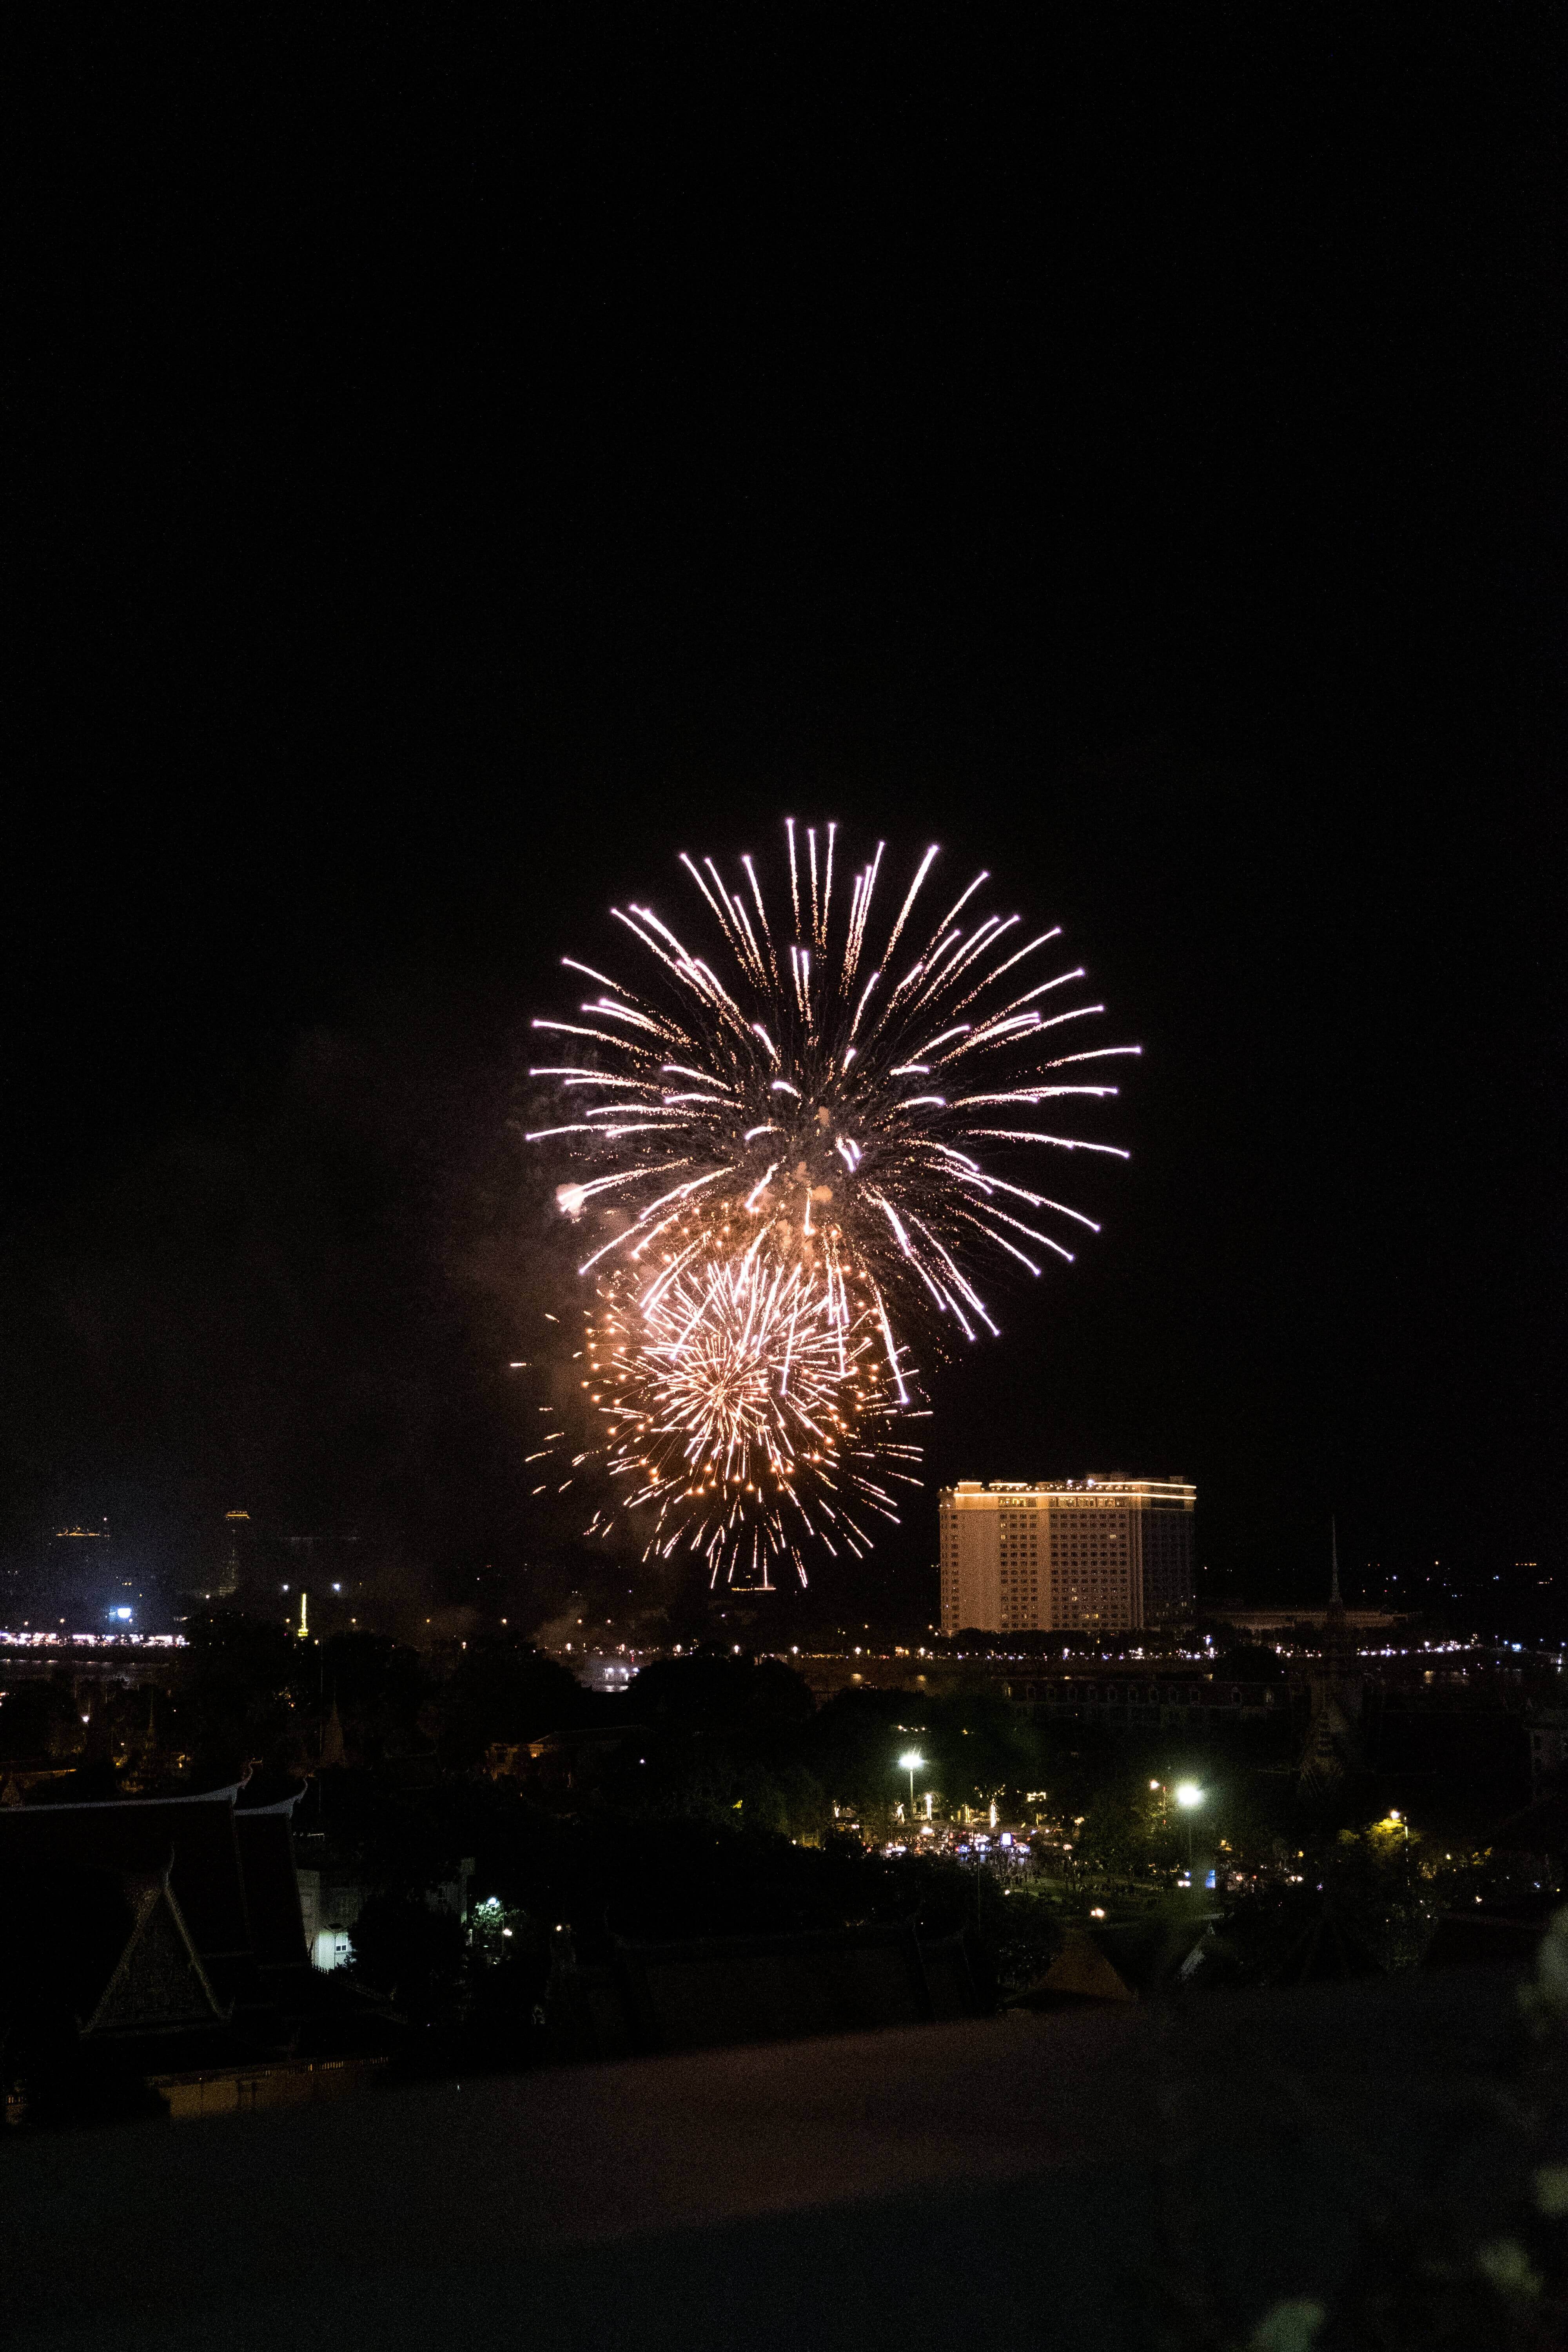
column 911, row 1761
column 1189, row 1796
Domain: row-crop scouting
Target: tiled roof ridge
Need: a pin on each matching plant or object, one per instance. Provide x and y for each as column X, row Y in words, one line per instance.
column 128, row 1804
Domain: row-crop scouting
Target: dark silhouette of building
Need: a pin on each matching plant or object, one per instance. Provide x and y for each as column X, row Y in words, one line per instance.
column 153, row 1958
column 230, row 1570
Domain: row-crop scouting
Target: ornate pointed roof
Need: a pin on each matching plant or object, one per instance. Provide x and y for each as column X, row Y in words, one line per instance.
column 159, row 1984
column 1331, row 1751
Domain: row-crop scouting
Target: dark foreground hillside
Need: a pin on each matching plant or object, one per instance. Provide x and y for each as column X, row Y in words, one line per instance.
column 1109, row 2178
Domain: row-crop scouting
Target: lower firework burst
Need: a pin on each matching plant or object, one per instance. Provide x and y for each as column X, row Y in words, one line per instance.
column 746, row 1407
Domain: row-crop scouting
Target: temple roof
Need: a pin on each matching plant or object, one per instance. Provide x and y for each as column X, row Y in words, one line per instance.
column 231, row 1873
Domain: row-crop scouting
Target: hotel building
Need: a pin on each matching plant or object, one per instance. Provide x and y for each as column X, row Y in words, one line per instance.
column 1095, row 1555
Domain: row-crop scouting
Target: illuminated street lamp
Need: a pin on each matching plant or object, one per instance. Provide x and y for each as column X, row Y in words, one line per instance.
column 911, row 1761
column 1400, row 1822
column 1189, row 1796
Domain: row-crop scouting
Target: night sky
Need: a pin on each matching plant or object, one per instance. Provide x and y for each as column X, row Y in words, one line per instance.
column 456, row 464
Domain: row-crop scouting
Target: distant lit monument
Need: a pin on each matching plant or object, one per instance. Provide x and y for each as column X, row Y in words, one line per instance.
column 1332, row 1749
column 1092, row 1555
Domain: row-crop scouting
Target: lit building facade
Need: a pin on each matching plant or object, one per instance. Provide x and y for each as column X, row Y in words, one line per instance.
column 1091, row 1555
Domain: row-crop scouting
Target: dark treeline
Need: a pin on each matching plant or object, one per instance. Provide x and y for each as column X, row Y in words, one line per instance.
column 714, row 1796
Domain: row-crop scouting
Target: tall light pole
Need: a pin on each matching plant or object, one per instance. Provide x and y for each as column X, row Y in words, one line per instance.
column 1189, row 1796
column 1400, row 1822
column 911, row 1761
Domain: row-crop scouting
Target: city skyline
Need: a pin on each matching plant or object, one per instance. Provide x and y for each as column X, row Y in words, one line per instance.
column 239, row 1561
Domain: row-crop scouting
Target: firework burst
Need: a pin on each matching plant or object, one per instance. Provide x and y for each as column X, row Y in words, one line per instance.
column 846, row 1101
column 745, row 1409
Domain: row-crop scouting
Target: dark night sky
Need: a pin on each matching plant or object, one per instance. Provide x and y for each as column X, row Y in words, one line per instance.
column 457, row 463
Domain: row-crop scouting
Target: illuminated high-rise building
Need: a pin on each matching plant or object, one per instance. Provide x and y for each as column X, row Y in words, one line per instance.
column 237, row 1541
column 1089, row 1555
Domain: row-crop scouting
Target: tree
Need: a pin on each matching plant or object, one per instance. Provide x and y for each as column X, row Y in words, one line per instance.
column 1130, row 1829
column 235, row 1702
column 1248, row 1662
column 40, row 1719
column 712, row 1690
column 409, row 1951
column 507, row 1692
column 380, row 1689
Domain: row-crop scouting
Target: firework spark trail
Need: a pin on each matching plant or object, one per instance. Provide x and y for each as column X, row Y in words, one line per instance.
column 814, row 1130
column 804, row 1134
